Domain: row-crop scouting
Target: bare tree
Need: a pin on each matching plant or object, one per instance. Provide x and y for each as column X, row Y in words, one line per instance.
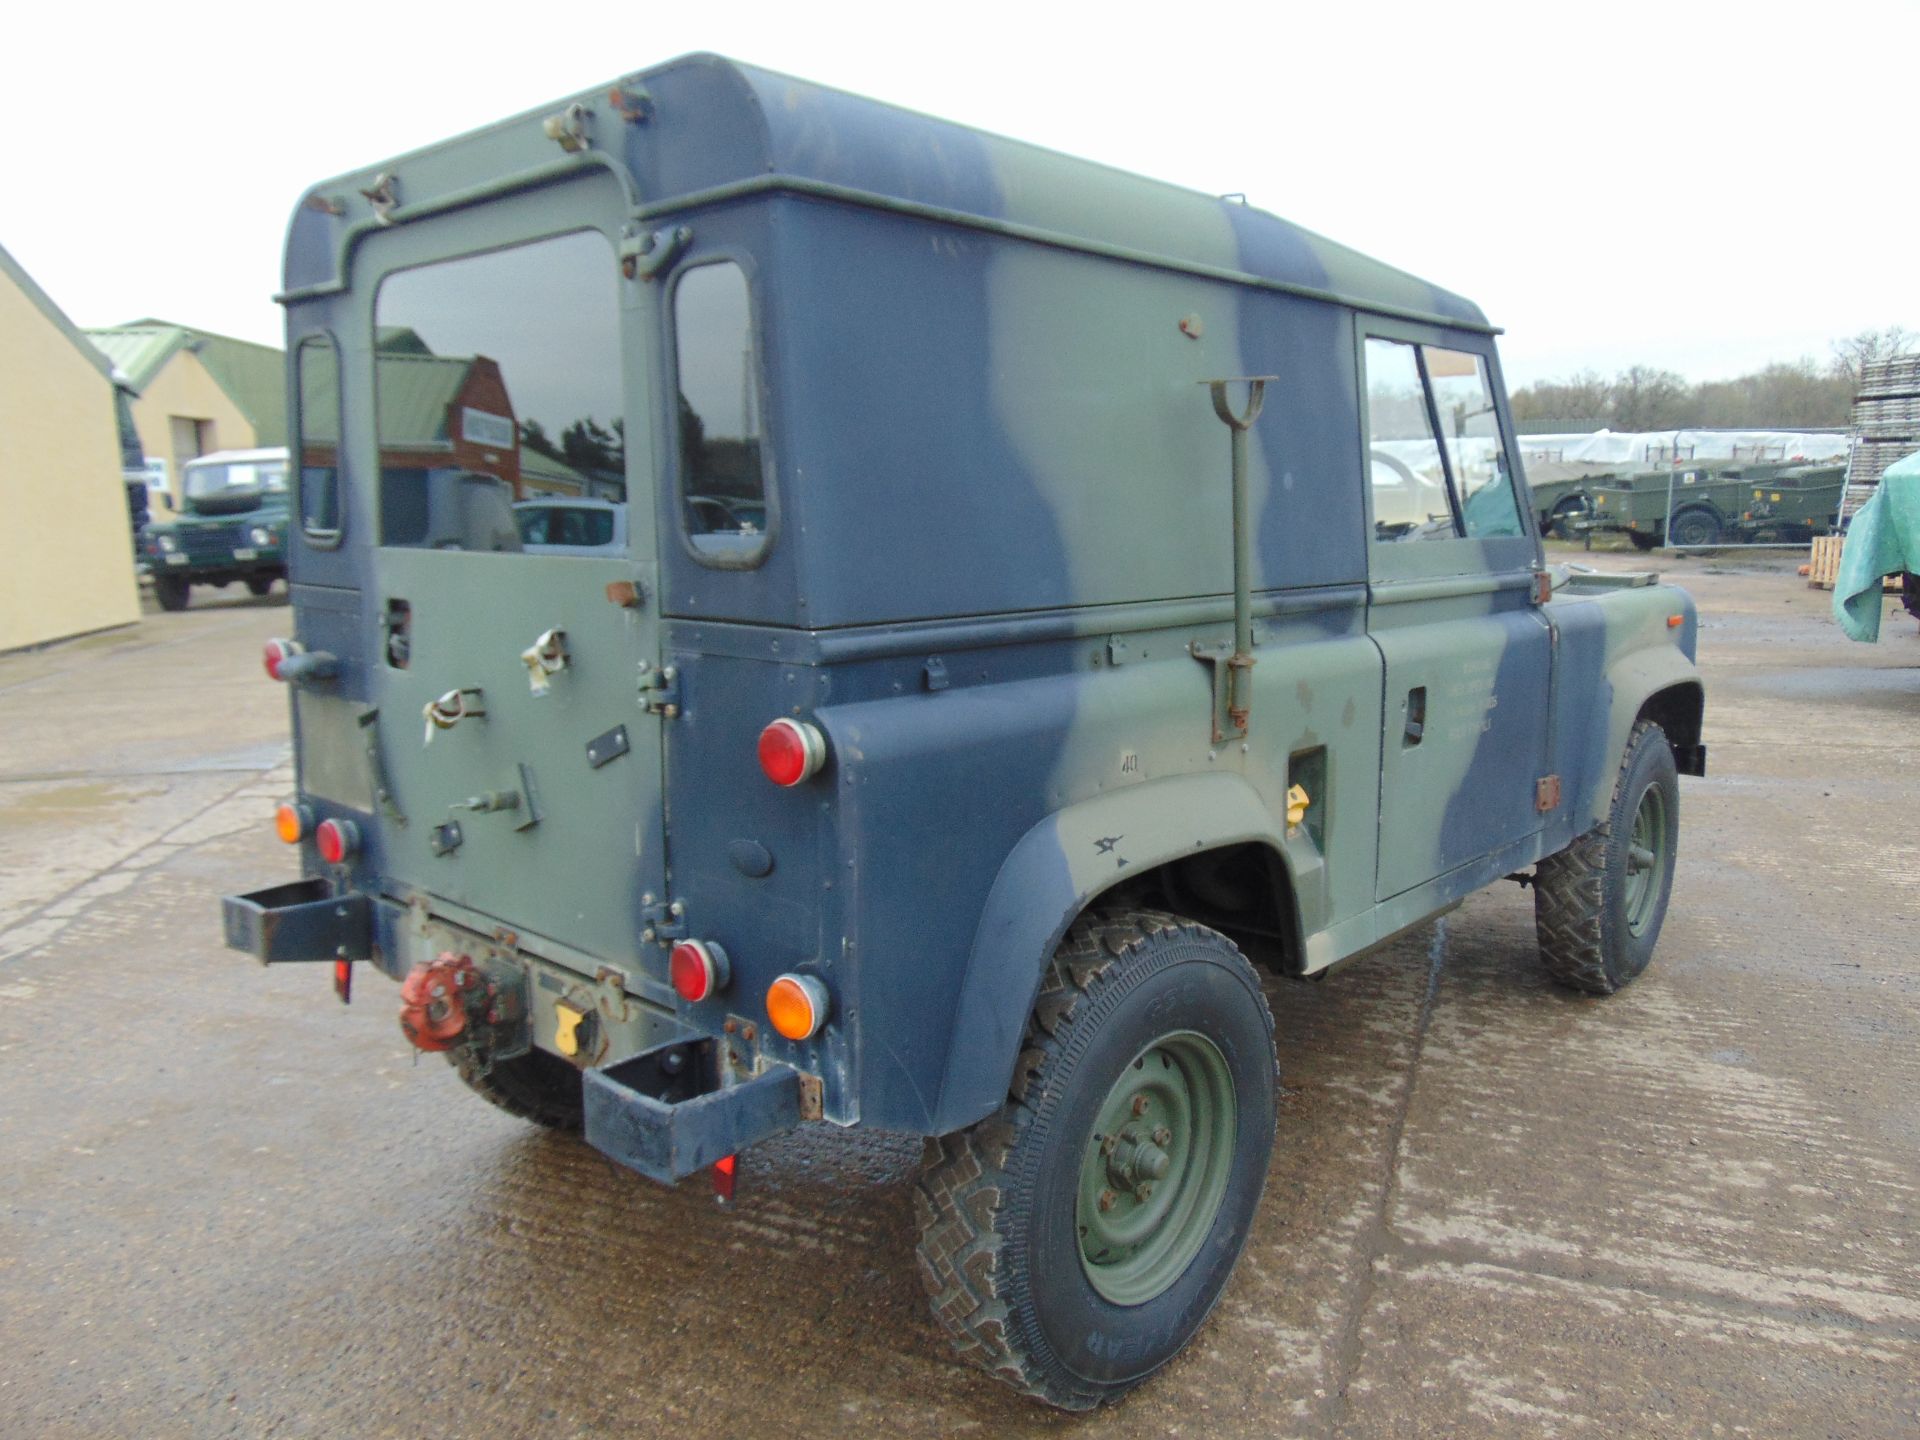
column 1856, row 351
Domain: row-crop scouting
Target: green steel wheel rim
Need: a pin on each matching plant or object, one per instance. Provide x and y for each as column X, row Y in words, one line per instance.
column 1647, row 845
column 1155, row 1168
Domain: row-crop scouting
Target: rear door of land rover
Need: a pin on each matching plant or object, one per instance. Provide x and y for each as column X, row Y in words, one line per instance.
column 506, row 355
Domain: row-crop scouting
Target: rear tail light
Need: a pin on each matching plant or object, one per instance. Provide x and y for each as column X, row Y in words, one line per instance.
column 277, row 653
column 791, row 751
column 699, row 968
column 797, row 1005
column 336, row 839
column 292, row 822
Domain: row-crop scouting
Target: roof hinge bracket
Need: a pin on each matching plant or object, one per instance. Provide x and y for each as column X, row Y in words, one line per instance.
column 642, row 257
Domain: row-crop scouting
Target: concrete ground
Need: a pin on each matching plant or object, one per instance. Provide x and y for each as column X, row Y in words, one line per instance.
column 229, row 1205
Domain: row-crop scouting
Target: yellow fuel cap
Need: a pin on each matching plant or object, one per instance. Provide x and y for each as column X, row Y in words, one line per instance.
column 1297, row 802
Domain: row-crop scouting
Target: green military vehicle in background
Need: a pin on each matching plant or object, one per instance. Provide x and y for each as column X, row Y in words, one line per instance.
column 1716, row 502
column 232, row 527
column 1098, row 609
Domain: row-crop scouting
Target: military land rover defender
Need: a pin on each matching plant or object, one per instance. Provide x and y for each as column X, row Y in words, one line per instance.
column 1040, row 587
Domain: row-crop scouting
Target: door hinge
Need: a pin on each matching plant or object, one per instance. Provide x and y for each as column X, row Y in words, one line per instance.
column 660, row 689
column 662, row 921
column 1546, row 793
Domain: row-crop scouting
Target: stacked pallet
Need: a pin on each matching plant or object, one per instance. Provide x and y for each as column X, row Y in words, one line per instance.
column 1886, row 424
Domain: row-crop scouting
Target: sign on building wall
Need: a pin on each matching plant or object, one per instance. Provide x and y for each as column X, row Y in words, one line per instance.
column 478, row 427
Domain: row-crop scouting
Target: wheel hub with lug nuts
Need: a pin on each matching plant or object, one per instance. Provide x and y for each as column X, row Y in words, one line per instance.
column 1155, row 1168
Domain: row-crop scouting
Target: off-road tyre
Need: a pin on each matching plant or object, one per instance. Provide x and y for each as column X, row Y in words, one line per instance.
column 1560, row 522
column 1642, row 542
column 260, row 585
column 1000, row 1235
column 1696, row 526
column 1581, row 897
column 171, row 591
column 535, row 1086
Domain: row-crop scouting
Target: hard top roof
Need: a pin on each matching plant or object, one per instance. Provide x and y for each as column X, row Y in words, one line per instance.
column 713, row 126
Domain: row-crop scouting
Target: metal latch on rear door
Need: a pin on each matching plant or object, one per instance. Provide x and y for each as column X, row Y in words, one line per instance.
column 665, row 920
column 660, row 689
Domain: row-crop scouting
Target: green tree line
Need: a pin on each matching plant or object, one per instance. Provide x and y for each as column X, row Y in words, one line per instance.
column 1787, row 395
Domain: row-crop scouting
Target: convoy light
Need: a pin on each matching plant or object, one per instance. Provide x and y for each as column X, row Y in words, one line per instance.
column 797, row 1005
column 277, row 653
column 699, row 968
column 292, row 821
column 337, row 839
column 791, row 751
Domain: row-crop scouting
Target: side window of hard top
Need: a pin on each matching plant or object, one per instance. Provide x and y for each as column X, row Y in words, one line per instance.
column 1436, row 458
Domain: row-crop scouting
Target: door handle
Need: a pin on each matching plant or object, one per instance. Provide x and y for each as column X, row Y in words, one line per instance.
column 1416, row 708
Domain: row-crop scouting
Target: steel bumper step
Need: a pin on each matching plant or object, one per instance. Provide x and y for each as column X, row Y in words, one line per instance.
column 662, row 1112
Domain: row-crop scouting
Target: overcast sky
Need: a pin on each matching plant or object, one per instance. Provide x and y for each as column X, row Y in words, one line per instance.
column 1703, row 187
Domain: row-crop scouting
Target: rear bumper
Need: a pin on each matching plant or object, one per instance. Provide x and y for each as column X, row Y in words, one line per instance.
column 302, row 920
column 662, row 1113
column 667, row 1110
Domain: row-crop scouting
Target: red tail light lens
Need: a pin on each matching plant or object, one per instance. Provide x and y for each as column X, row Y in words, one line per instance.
column 278, row 652
column 336, row 839
column 791, row 751
column 699, row 969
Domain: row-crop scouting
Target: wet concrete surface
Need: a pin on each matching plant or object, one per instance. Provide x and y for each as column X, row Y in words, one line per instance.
column 231, row 1206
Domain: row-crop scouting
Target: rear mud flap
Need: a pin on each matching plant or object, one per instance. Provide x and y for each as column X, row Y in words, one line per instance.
column 662, row 1113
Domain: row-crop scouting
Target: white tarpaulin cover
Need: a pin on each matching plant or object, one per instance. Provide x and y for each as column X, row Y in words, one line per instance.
column 1661, row 447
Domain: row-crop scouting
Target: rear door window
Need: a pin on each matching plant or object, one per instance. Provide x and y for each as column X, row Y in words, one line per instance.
column 489, row 369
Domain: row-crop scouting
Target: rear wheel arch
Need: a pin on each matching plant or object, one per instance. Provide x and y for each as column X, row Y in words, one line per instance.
column 1176, row 837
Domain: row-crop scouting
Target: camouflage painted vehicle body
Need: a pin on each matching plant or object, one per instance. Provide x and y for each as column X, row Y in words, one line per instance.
column 995, row 575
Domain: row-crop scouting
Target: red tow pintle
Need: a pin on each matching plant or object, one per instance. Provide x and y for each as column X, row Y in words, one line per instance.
column 723, row 1176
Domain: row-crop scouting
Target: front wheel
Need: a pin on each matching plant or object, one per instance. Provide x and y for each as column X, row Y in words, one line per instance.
column 260, row 585
column 170, row 591
column 1074, row 1241
column 1598, row 905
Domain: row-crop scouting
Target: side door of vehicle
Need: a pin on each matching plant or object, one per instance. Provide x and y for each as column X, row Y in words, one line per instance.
column 1468, row 656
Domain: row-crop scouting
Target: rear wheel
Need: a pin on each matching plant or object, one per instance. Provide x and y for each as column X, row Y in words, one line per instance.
column 170, row 591
column 1696, row 527
column 1073, row 1242
column 1598, row 905
column 535, row 1086
column 260, row 584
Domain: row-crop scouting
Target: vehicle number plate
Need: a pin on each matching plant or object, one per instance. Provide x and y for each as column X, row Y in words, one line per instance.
column 246, row 554
column 176, row 559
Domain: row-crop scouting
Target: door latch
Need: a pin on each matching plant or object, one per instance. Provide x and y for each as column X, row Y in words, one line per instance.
column 660, row 689
column 662, row 921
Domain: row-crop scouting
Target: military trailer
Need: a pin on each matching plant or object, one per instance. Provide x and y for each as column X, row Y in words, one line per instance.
column 231, row 527
column 1717, row 504
column 1003, row 650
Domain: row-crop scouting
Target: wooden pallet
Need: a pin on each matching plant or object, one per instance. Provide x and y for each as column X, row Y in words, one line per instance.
column 1824, row 566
